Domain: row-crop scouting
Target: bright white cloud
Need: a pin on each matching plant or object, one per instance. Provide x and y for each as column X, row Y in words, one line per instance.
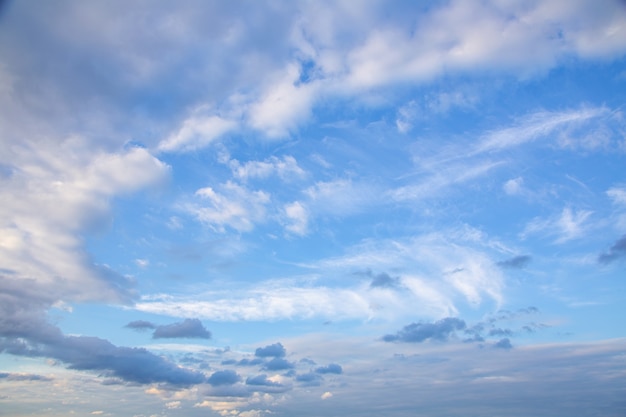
column 284, row 105
column 235, row 206
column 75, row 185
column 197, row 132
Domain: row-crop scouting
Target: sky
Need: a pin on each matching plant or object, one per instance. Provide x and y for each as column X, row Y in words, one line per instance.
column 313, row 208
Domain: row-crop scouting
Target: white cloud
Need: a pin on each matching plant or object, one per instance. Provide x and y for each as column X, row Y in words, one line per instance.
column 437, row 275
column 514, row 186
column 341, row 196
column 286, row 168
column 297, row 218
column 196, row 132
column 569, row 225
column 326, row 395
column 74, row 184
column 617, row 194
column 284, row 105
column 536, row 126
column 172, row 405
column 235, row 206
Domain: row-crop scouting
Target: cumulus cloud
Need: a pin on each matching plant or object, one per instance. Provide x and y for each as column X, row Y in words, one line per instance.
column 276, row 350
column 440, row 330
column 278, row 364
column 309, row 379
column 332, row 368
column 264, row 384
column 225, row 377
column 189, row 328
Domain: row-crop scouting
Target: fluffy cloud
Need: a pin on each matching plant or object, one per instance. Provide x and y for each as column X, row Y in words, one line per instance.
column 235, row 207
column 332, row 368
column 226, row 377
column 277, row 350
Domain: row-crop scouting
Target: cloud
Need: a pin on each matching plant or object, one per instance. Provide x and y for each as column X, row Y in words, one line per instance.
column 225, row 377
column 278, row 364
column 569, row 225
column 384, row 280
column 235, row 207
column 189, row 328
column 140, row 325
column 618, row 195
column 39, row 339
column 310, row 379
column 286, row 168
column 249, row 362
column 12, row 376
column 616, row 252
column 326, row 395
column 332, row 368
column 440, row 330
column 297, row 218
column 276, row 350
column 264, row 384
column 503, row 344
column 517, row 262
column 537, row 126
column 196, row 132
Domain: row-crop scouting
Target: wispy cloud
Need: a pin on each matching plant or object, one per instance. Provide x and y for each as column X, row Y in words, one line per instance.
column 569, row 224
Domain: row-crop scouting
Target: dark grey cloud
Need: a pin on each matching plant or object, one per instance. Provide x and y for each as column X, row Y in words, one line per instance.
column 503, row 344
column 141, row 325
column 517, row 262
column 332, row 368
column 189, row 328
column 226, row 377
column 278, row 364
column 617, row 251
column 420, row 332
column 277, row 350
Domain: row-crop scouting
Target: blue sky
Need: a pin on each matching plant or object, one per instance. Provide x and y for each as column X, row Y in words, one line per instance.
column 312, row 208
